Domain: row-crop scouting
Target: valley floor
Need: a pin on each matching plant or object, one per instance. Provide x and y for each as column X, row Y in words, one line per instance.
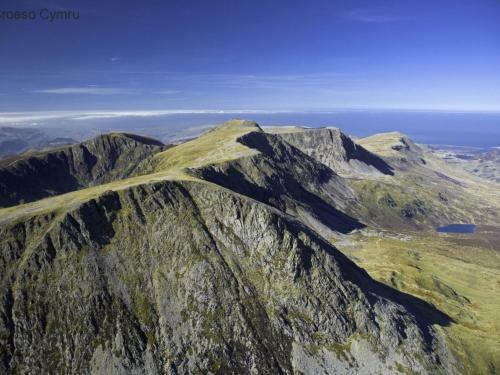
column 455, row 273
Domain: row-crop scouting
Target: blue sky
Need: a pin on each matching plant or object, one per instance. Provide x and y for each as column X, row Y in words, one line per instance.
column 263, row 55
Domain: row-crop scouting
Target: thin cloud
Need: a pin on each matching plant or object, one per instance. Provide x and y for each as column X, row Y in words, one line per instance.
column 369, row 17
column 38, row 118
column 86, row 91
column 21, row 118
column 155, row 113
column 285, row 81
column 167, row 92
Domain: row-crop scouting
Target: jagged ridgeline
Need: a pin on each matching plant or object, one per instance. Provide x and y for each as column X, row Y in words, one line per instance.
column 212, row 258
column 37, row 175
column 336, row 150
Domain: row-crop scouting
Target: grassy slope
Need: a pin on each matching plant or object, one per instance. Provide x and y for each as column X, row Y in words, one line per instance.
column 461, row 280
column 380, row 144
column 448, row 193
column 216, row 146
column 459, row 274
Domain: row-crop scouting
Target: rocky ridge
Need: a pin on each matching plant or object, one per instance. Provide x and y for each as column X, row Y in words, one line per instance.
column 338, row 151
column 100, row 160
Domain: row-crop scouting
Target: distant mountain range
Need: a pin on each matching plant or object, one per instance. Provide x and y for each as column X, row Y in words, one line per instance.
column 482, row 164
column 14, row 140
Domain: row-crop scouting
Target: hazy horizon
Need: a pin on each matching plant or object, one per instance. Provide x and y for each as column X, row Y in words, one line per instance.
column 471, row 129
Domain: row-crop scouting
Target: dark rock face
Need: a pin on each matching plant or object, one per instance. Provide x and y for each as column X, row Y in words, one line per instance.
column 99, row 160
column 401, row 147
column 388, row 200
column 289, row 180
column 188, row 277
column 414, row 208
column 339, row 152
column 443, row 197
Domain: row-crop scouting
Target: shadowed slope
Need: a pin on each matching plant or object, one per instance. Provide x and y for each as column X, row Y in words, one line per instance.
column 102, row 159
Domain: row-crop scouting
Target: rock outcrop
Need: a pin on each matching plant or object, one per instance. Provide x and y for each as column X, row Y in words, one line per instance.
column 102, row 159
column 338, row 151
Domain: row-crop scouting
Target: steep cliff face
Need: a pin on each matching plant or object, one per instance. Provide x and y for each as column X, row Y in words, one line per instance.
column 102, row 159
column 186, row 277
column 286, row 178
column 339, row 152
